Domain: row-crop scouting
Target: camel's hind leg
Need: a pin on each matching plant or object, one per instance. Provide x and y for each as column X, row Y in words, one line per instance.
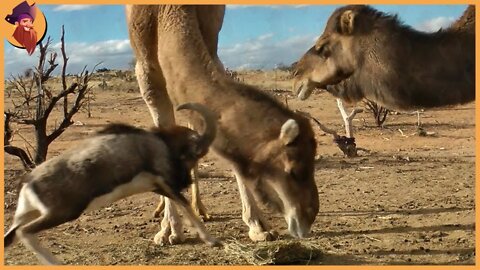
column 197, row 204
column 179, row 199
column 152, row 88
column 143, row 38
column 199, row 227
column 171, row 226
column 210, row 20
column 160, row 208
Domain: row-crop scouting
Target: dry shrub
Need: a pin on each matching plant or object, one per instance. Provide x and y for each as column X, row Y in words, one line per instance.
column 274, row 253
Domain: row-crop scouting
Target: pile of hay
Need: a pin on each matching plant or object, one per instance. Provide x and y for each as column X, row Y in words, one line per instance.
column 274, row 253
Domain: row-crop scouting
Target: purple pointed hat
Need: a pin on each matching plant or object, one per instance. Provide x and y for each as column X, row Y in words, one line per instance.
column 21, row 11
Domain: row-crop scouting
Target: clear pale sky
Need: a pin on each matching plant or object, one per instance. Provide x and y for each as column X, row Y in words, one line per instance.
column 254, row 37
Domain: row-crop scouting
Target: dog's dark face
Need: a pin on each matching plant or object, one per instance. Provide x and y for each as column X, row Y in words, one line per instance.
column 183, row 144
column 184, row 150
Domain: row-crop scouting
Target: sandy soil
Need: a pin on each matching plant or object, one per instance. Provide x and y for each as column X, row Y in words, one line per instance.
column 410, row 200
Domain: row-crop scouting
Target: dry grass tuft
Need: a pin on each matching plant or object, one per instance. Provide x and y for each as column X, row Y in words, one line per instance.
column 274, row 253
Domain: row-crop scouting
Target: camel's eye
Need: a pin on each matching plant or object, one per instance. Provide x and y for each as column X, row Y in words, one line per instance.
column 323, row 50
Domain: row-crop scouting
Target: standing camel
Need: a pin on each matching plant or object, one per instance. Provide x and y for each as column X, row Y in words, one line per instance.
column 365, row 53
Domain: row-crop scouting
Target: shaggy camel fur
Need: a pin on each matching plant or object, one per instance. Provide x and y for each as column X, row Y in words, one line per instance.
column 271, row 149
column 364, row 53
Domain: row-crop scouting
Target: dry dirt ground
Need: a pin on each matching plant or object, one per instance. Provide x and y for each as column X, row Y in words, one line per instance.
column 410, row 200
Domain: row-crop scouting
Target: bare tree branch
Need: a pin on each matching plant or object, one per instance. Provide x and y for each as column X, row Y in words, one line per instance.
column 20, row 153
column 56, row 98
column 8, row 132
column 346, row 144
column 64, row 69
column 52, row 66
column 27, row 142
column 347, row 119
column 32, row 122
column 46, row 101
column 13, row 150
column 67, row 120
column 379, row 112
column 325, row 129
column 44, row 75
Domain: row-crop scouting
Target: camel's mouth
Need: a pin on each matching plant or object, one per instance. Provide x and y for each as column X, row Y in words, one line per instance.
column 305, row 88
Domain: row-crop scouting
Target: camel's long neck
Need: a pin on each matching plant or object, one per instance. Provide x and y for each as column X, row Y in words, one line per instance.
column 421, row 70
column 183, row 55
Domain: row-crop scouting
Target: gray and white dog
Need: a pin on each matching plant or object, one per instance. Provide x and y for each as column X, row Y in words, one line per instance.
column 116, row 162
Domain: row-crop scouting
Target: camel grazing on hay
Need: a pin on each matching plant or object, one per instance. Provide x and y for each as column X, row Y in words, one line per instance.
column 271, row 149
column 364, row 53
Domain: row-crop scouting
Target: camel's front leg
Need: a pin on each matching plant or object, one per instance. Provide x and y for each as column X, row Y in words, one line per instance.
column 160, row 207
column 197, row 223
column 197, row 204
column 251, row 214
column 153, row 89
column 171, row 227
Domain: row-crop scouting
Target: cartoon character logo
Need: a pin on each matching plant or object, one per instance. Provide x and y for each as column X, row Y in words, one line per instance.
column 26, row 34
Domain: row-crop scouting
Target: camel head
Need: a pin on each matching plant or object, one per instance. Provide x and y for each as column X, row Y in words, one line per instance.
column 365, row 53
column 284, row 173
column 332, row 59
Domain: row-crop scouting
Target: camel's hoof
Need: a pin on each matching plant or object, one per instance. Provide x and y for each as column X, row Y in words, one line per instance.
column 161, row 238
column 205, row 217
column 202, row 214
column 257, row 236
column 175, row 239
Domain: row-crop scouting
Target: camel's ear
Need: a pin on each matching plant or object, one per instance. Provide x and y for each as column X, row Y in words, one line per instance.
column 289, row 132
column 346, row 22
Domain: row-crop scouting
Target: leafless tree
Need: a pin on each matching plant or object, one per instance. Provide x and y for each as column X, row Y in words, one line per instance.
column 14, row 150
column 37, row 101
column 379, row 113
column 345, row 143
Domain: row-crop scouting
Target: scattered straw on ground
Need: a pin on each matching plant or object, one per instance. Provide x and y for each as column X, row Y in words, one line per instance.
column 277, row 252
